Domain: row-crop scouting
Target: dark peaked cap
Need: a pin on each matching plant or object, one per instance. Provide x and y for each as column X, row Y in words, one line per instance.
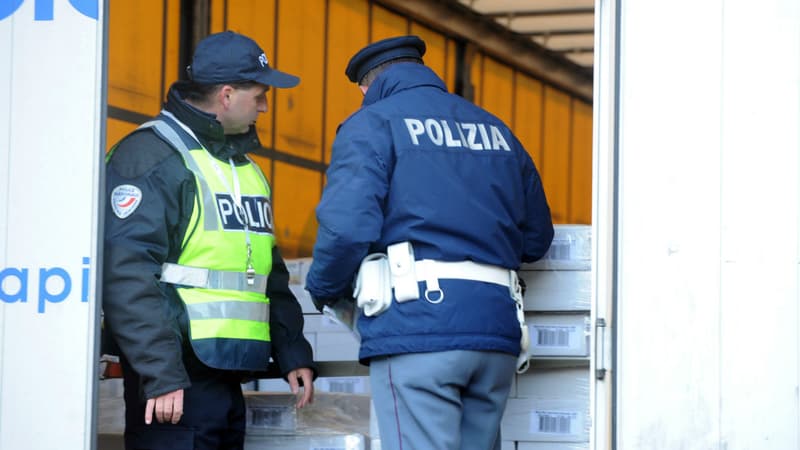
column 229, row 57
column 382, row 51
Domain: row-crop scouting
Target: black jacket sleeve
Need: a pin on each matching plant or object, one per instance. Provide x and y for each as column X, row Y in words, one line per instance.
column 141, row 314
column 290, row 349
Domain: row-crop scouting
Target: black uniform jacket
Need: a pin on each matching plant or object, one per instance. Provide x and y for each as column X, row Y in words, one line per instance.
column 146, row 318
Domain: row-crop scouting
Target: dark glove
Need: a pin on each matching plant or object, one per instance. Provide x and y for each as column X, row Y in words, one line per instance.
column 321, row 302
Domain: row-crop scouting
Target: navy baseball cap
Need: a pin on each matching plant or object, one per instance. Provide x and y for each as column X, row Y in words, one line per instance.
column 382, row 51
column 230, row 57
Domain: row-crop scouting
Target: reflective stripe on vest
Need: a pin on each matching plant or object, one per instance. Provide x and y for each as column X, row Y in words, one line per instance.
column 212, row 279
column 166, row 132
column 228, row 319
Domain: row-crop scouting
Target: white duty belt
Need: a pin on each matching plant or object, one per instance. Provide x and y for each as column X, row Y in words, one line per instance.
column 431, row 271
column 375, row 282
column 212, row 279
column 407, row 272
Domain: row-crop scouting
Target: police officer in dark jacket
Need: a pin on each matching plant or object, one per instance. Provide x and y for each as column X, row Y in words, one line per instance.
column 442, row 200
column 195, row 290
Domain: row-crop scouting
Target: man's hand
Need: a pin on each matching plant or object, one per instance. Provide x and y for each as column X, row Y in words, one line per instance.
column 168, row 407
column 308, row 385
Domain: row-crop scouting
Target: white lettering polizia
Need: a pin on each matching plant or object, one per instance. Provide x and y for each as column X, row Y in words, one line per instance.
column 452, row 134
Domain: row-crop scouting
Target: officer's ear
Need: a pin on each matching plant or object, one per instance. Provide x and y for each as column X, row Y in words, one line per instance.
column 224, row 95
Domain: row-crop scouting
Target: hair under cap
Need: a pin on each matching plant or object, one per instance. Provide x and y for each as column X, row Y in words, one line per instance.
column 382, row 51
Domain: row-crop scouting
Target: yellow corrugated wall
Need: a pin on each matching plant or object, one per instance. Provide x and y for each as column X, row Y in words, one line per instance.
column 142, row 61
column 527, row 124
column 580, row 201
column 343, row 41
column 314, row 39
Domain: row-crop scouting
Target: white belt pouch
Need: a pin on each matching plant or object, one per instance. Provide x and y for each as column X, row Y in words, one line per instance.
column 373, row 287
column 380, row 272
column 404, row 275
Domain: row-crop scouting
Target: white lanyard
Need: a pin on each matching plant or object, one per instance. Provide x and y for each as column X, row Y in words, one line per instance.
column 236, row 194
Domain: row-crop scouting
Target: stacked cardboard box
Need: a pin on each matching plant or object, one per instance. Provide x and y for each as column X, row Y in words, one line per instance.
column 549, row 404
column 335, row 420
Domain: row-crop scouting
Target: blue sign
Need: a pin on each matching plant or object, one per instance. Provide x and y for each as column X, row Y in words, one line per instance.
column 13, row 277
column 43, row 9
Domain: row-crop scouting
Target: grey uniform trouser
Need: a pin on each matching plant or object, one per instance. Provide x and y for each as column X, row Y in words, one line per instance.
column 451, row 400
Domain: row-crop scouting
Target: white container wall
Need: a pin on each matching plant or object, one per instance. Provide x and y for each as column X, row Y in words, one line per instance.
column 698, row 190
column 51, row 134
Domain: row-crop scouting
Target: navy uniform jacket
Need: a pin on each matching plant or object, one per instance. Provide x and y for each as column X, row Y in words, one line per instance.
column 146, row 318
column 418, row 164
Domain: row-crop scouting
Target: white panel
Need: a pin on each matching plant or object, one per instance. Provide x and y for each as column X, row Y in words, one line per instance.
column 5, row 124
column 709, row 187
column 759, row 323
column 5, row 134
column 54, row 154
column 669, row 189
column 603, row 222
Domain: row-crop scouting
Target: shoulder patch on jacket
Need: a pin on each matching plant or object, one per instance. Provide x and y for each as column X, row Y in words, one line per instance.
column 125, row 198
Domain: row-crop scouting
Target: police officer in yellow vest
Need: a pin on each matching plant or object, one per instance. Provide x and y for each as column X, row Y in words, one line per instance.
column 195, row 290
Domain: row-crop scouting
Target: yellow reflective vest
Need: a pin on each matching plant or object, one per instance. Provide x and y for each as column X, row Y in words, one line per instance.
column 221, row 274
